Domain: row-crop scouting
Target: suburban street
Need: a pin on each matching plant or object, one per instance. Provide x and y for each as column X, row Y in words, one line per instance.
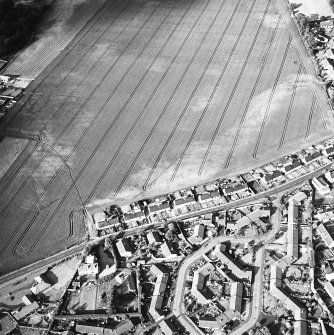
column 178, row 307
column 256, row 304
column 43, row 264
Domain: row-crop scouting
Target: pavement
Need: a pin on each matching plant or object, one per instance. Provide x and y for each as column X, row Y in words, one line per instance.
column 6, row 281
column 256, row 306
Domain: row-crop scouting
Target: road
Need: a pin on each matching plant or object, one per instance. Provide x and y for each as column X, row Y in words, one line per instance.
column 256, row 304
column 238, row 203
column 41, row 265
column 178, row 306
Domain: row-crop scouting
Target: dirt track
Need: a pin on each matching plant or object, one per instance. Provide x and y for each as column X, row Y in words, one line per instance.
column 162, row 94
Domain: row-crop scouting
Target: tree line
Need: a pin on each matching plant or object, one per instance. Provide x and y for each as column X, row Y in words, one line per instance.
column 18, row 22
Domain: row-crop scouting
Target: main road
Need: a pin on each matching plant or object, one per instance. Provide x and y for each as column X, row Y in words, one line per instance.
column 41, row 265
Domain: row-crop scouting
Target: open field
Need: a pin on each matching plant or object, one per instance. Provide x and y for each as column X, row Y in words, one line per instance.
column 59, row 26
column 157, row 95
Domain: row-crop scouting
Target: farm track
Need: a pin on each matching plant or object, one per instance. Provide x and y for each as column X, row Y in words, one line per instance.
column 55, row 67
column 187, row 104
column 101, row 141
column 281, row 143
column 264, row 62
column 310, row 85
column 166, row 94
column 9, row 180
column 324, row 124
column 81, row 58
column 164, row 45
column 176, row 90
column 63, row 131
column 270, row 99
column 211, row 97
column 233, row 91
column 53, row 48
column 307, row 134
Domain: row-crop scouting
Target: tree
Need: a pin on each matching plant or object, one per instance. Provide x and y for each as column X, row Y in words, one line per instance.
column 107, row 243
column 169, row 235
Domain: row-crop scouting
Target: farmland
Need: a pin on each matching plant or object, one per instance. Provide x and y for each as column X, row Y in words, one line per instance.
column 154, row 95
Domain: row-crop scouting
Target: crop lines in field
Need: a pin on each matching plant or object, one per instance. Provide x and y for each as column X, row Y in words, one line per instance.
column 161, row 95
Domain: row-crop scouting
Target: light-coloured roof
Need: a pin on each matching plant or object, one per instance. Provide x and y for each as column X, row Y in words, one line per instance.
column 325, row 235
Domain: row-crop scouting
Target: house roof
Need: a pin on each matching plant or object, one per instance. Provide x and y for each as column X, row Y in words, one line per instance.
column 40, row 288
column 276, row 174
column 167, row 249
column 235, row 188
column 184, row 201
column 88, row 269
column 26, row 310
column 199, row 231
column 255, row 186
column 215, row 194
column 327, row 23
column 100, row 216
column 322, row 230
column 205, row 196
column 107, row 223
column 312, row 157
column 292, row 166
column 161, row 207
column 133, row 216
column 131, row 282
column 158, row 296
column 329, row 150
column 158, row 270
column 293, row 213
column 88, row 329
column 153, row 237
column 123, row 247
column 322, row 181
column 123, row 327
column 208, row 322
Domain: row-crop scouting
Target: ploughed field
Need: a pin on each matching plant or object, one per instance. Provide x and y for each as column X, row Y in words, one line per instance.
column 155, row 95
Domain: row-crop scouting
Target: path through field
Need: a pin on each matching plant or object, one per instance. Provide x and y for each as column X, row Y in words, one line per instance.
column 62, row 22
column 155, row 95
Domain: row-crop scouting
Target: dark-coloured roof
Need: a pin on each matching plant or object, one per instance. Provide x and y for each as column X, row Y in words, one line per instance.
column 160, row 207
column 312, row 157
column 255, row 186
column 205, row 196
column 276, row 174
column 329, row 150
column 215, row 194
column 322, row 181
column 292, row 166
column 132, row 282
column 168, row 327
column 184, row 200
